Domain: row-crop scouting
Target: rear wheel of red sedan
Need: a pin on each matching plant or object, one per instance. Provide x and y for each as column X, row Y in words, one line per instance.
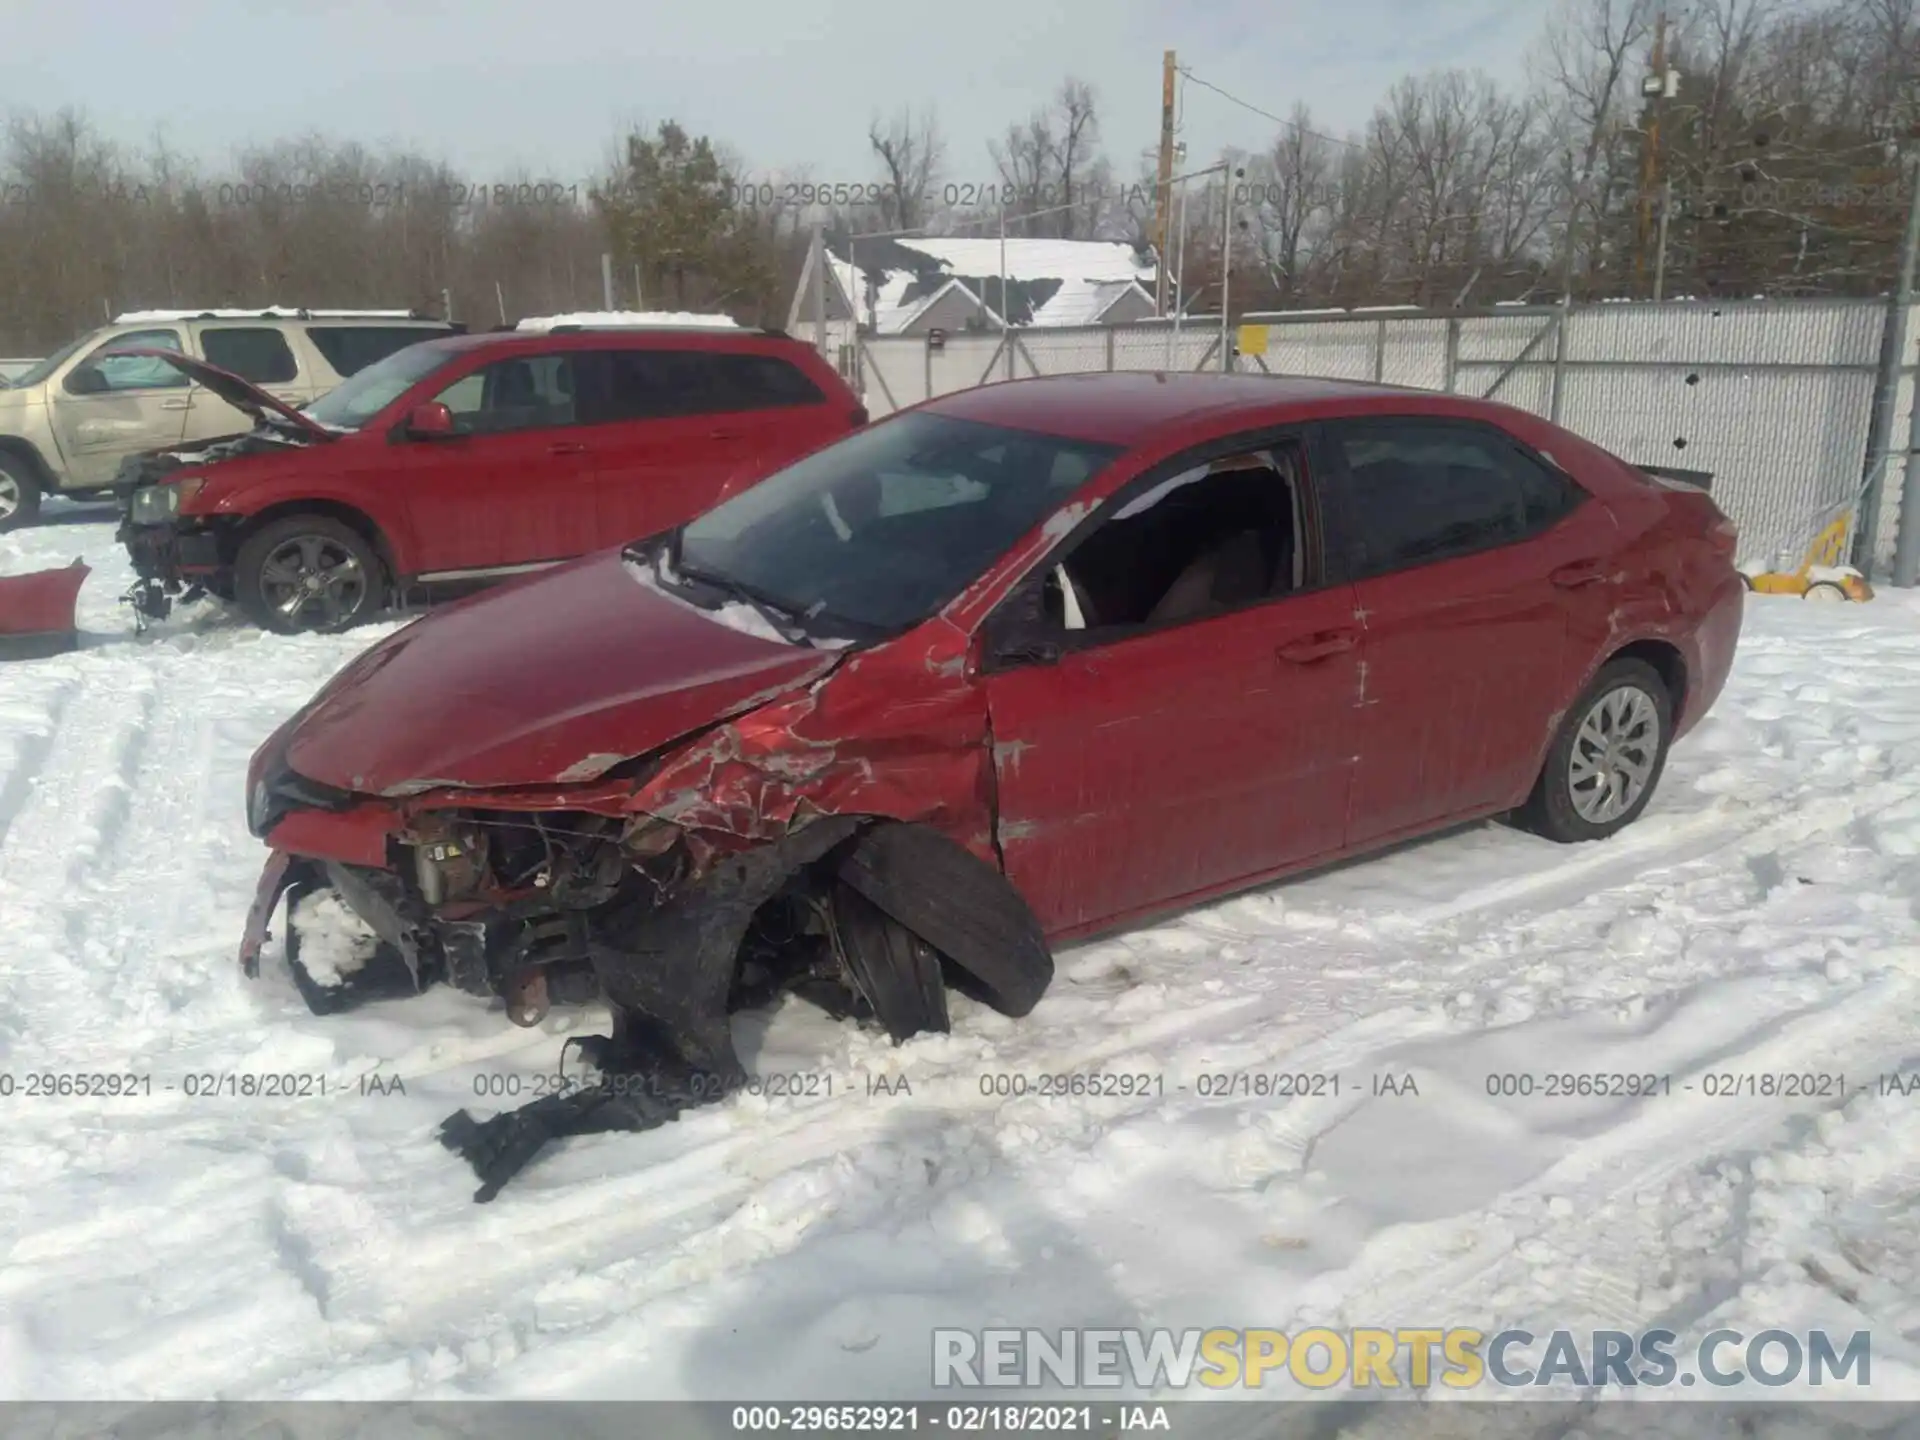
column 308, row 574
column 1606, row 759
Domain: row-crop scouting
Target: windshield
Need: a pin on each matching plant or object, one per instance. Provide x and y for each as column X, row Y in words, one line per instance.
column 885, row 527
column 356, row 400
column 52, row 363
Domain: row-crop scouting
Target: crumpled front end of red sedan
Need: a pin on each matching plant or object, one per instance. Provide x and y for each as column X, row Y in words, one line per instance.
column 656, row 808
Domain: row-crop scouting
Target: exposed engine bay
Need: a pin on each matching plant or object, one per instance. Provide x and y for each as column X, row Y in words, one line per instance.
column 871, row 920
column 157, row 542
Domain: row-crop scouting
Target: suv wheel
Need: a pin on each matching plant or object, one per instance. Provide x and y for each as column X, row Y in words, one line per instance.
column 308, row 574
column 19, row 493
column 1603, row 766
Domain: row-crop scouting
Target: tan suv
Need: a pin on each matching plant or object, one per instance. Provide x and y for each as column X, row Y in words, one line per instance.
column 68, row 423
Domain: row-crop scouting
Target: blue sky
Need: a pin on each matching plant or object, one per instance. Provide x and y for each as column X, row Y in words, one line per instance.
column 499, row 87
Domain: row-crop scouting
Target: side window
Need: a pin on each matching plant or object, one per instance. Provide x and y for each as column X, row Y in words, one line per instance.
column 1200, row 541
column 105, row 373
column 349, row 349
column 525, row 392
column 257, row 354
column 764, row 382
column 1422, row 491
column 662, row 385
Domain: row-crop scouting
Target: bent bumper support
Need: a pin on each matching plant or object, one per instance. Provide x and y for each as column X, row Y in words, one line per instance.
column 281, row 871
column 666, row 971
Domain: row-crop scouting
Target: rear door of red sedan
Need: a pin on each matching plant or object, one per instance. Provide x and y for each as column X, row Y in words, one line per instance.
column 1158, row 740
column 1470, row 556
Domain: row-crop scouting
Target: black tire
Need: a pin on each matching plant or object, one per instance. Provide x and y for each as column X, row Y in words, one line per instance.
column 897, row 971
column 958, row 904
column 1553, row 809
column 19, row 493
column 311, row 544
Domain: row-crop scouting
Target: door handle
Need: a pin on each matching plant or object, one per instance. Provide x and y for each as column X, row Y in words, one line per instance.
column 181, row 404
column 1318, row 647
column 1581, row 572
column 566, row 447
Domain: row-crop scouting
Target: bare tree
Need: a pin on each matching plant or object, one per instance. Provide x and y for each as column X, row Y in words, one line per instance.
column 1292, row 183
column 1057, row 181
column 1079, row 134
column 1588, row 55
column 911, row 153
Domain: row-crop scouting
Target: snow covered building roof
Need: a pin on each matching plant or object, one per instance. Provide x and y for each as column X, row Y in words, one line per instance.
column 907, row 286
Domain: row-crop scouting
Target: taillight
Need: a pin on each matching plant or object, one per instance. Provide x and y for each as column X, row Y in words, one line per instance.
column 1724, row 537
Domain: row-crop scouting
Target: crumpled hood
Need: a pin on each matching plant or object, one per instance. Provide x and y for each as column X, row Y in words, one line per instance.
column 550, row 680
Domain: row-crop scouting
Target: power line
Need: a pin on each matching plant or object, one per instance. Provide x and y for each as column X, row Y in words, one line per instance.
column 1294, row 125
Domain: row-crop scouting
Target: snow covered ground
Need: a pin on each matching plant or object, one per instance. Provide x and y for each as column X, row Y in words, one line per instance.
column 1761, row 919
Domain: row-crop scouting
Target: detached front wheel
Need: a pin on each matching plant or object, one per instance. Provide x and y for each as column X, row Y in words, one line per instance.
column 1603, row 766
column 308, row 574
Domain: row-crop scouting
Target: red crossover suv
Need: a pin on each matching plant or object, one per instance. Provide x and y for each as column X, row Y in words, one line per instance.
column 465, row 459
column 1017, row 665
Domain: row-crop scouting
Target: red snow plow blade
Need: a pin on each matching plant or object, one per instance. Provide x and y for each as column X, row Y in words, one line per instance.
column 36, row 612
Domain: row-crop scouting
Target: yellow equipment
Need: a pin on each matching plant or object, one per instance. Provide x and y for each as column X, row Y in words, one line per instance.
column 1821, row 576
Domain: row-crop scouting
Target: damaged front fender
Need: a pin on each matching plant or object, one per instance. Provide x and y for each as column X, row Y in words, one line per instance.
column 902, row 735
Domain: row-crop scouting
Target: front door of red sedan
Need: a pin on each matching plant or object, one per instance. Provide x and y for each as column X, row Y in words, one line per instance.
column 1469, row 555
column 1190, row 733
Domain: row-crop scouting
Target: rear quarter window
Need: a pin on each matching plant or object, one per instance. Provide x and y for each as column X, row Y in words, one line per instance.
column 258, row 353
column 764, row 382
column 351, row 348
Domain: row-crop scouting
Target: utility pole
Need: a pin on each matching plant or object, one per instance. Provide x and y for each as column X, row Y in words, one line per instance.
column 1660, row 246
column 1006, row 306
column 1163, row 193
column 818, row 264
column 1906, row 562
column 1227, row 177
column 1653, row 87
column 606, row 281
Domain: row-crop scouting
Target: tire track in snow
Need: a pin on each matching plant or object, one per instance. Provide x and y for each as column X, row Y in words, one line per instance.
column 590, row 1225
column 77, row 803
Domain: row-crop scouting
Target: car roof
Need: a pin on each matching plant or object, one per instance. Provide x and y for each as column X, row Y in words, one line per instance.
column 1133, row 407
column 615, row 337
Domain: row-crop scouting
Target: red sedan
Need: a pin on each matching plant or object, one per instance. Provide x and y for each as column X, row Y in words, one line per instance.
column 1020, row 664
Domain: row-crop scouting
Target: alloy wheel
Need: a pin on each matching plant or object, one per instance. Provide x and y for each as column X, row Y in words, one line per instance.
column 9, row 496
column 1614, row 751
column 315, row 582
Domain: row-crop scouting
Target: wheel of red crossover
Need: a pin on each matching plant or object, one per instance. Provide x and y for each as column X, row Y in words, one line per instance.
column 308, row 574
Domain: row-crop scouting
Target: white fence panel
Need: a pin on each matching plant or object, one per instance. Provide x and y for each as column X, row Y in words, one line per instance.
column 1772, row 397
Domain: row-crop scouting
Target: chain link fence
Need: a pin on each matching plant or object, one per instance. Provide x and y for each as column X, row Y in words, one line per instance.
column 1772, row 396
